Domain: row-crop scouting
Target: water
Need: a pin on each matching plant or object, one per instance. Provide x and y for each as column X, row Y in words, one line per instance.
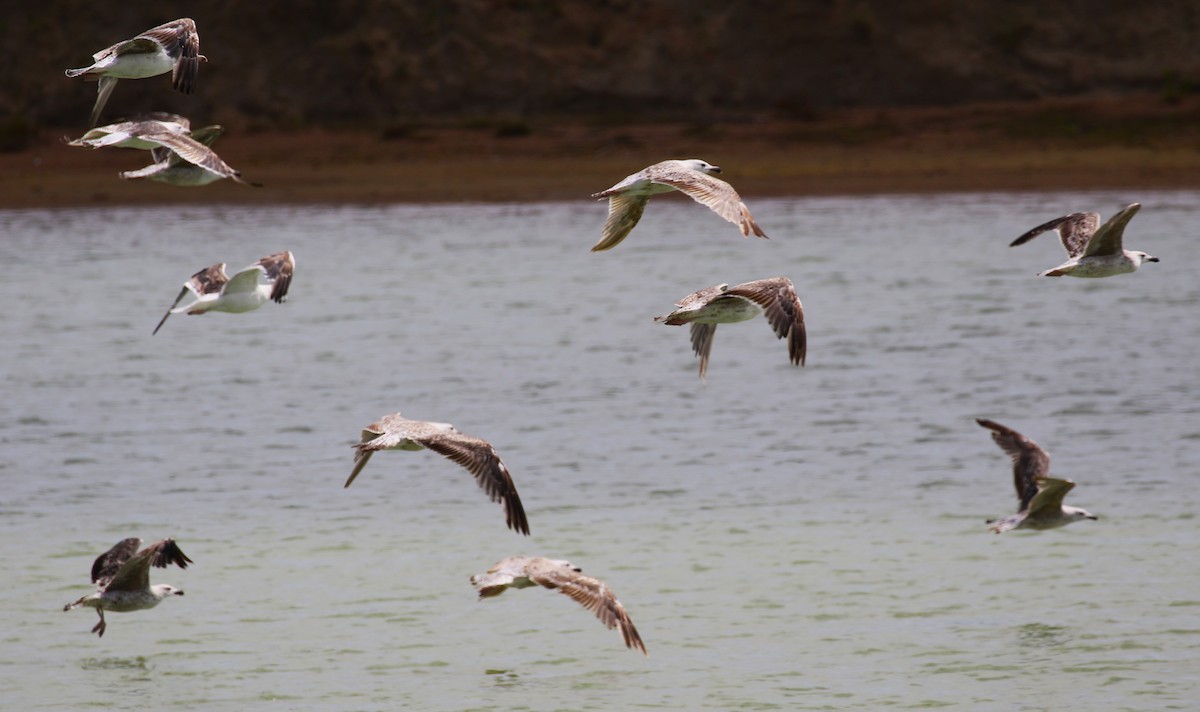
column 783, row 538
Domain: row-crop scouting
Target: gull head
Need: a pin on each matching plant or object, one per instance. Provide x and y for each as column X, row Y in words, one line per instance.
column 163, row 590
column 703, row 166
column 1140, row 257
column 1076, row 513
column 565, row 564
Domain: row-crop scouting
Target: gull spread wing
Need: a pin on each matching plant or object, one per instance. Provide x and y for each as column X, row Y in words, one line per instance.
column 110, row 562
column 103, row 90
column 279, row 268
column 702, row 341
column 1049, row 497
column 1075, row 230
column 363, row 454
column 480, row 459
column 1030, row 462
column 593, row 594
column 779, row 302
column 180, row 40
column 707, row 190
column 624, row 212
column 1107, row 240
column 134, row 574
column 193, row 151
column 207, row 281
column 208, row 135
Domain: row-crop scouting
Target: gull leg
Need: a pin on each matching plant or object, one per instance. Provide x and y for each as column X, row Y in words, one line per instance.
column 99, row 629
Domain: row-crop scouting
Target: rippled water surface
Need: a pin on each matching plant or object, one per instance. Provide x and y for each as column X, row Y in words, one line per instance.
column 784, row 538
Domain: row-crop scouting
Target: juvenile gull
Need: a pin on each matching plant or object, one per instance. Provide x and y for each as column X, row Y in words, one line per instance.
column 627, row 199
column 128, row 134
column 214, row 291
column 185, row 160
column 592, row 594
column 722, row 304
column 171, row 47
column 1093, row 252
column 1040, row 496
column 395, row 432
column 123, row 579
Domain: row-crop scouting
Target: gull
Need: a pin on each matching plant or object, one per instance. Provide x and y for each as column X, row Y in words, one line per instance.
column 1040, row 496
column 1094, row 252
column 627, row 199
column 123, row 579
column 722, row 304
column 593, row 594
column 171, row 47
column 214, row 291
column 185, row 160
column 128, row 134
column 395, row 432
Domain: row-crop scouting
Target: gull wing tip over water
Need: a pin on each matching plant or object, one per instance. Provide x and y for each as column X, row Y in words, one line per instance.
column 774, row 297
column 1094, row 250
column 476, row 455
column 122, row 578
column 1040, row 496
column 558, row 574
column 692, row 177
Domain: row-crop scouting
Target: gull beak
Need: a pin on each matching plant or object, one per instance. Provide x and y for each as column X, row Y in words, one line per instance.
column 1152, row 259
column 179, row 593
column 715, row 169
column 1094, row 518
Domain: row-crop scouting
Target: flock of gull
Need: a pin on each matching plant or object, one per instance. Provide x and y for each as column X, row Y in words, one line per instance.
column 182, row 156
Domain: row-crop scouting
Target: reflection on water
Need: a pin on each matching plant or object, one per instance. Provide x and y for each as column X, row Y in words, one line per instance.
column 783, row 538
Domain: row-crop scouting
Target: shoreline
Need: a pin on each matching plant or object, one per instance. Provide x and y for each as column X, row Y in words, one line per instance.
column 1021, row 147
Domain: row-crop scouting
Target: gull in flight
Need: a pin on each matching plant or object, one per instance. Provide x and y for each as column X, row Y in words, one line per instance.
column 1095, row 250
column 171, row 47
column 593, row 594
column 1041, row 496
column 122, row 578
column 264, row 281
column 395, row 432
column 128, row 134
column 775, row 297
column 185, row 159
column 627, row 199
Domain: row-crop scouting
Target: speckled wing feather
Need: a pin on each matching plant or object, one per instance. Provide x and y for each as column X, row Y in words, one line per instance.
column 624, row 212
column 702, row 341
column 110, row 562
column 279, row 268
column 480, row 459
column 594, row 595
column 195, row 152
column 713, row 192
column 134, row 574
column 782, row 307
column 103, row 90
column 180, row 40
column 1107, row 240
column 362, row 454
column 1030, row 462
column 1075, row 230
column 209, row 280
